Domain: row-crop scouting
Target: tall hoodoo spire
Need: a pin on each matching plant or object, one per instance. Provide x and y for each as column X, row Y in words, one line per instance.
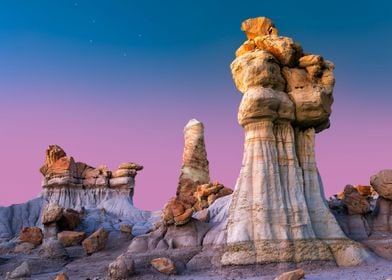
column 278, row 211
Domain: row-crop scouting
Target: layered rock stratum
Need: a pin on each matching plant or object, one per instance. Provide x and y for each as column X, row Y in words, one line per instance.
column 278, row 211
column 76, row 195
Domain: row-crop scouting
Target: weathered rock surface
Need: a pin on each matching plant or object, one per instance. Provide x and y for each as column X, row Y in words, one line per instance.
column 194, row 192
column 15, row 217
column 278, row 211
column 292, row 275
column 382, row 183
column 20, row 272
column 121, row 268
column 255, row 69
column 283, row 48
column 31, row 235
column 354, row 201
column 259, row 26
column 71, row 238
column 52, row 213
column 96, row 242
column 69, row 220
column 53, row 249
column 61, row 276
column 206, row 194
column 164, row 265
column 365, row 215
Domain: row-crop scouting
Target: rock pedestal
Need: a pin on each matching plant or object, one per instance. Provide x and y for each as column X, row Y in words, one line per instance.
column 278, row 211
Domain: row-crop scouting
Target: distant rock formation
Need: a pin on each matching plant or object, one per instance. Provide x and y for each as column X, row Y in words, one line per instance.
column 364, row 213
column 83, row 196
column 195, row 191
column 278, row 211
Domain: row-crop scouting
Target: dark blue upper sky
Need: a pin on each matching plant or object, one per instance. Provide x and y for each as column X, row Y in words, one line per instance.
column 174, row 43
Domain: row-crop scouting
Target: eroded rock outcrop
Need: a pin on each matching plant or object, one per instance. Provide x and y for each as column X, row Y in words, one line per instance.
column 195, row 191
column 278, row 211
column 364, row 213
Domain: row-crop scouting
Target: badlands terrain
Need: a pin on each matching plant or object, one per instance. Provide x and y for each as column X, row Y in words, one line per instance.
column 274, row 224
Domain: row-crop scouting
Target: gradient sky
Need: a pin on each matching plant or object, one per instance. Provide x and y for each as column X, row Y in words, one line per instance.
column 116, row 81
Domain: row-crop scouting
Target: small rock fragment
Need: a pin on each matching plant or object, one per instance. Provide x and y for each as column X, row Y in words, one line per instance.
column 96, row 242
column 31, row 235
column 20, row 272
column 292, row 275
column 164, row 265
column 121, row 268
column 61, row 276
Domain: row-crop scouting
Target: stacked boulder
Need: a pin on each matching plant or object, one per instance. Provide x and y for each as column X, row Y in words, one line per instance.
column 278, row 211
column 72, row 184
column 195, row 192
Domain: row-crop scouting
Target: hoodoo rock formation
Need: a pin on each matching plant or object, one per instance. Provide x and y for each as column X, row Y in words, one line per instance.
column 278, row 212
column 194, row 191
column 84, row 225
column 364, row 213
column 78, row 197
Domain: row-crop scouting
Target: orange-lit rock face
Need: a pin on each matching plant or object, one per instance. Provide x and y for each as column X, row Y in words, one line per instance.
column 259, row 26
column 164, row 265
column 283, row 48
column 206, row 194
column 31, row 235
column 70, row 238
column 96, row 242
column 354, row 201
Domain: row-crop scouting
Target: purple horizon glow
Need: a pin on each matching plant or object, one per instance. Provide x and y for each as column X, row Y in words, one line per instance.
column 108, row 132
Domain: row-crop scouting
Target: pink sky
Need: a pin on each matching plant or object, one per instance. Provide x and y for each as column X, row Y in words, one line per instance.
column 104, row 131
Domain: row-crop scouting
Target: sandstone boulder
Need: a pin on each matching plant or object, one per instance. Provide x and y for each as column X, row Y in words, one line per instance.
column 176, row 212
column 31, row 235
column 283, row 48
column 364, row 190
column 70, row 219
column 247, row 46
column 292, row 275
column 310, row 60
column 206, row 194
column 21, row 271
column 263, row 103
column 53, row 153
column 51, row 213
column 257, row 68
column 124, row 173
column 122, row 268
column 259, row 26
column 96, row 242
column 382, row 183
column 164, row 265
column 312, row 107
column 71, row 238
column 354, row 201
column 61, row 276
column 130, row 165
